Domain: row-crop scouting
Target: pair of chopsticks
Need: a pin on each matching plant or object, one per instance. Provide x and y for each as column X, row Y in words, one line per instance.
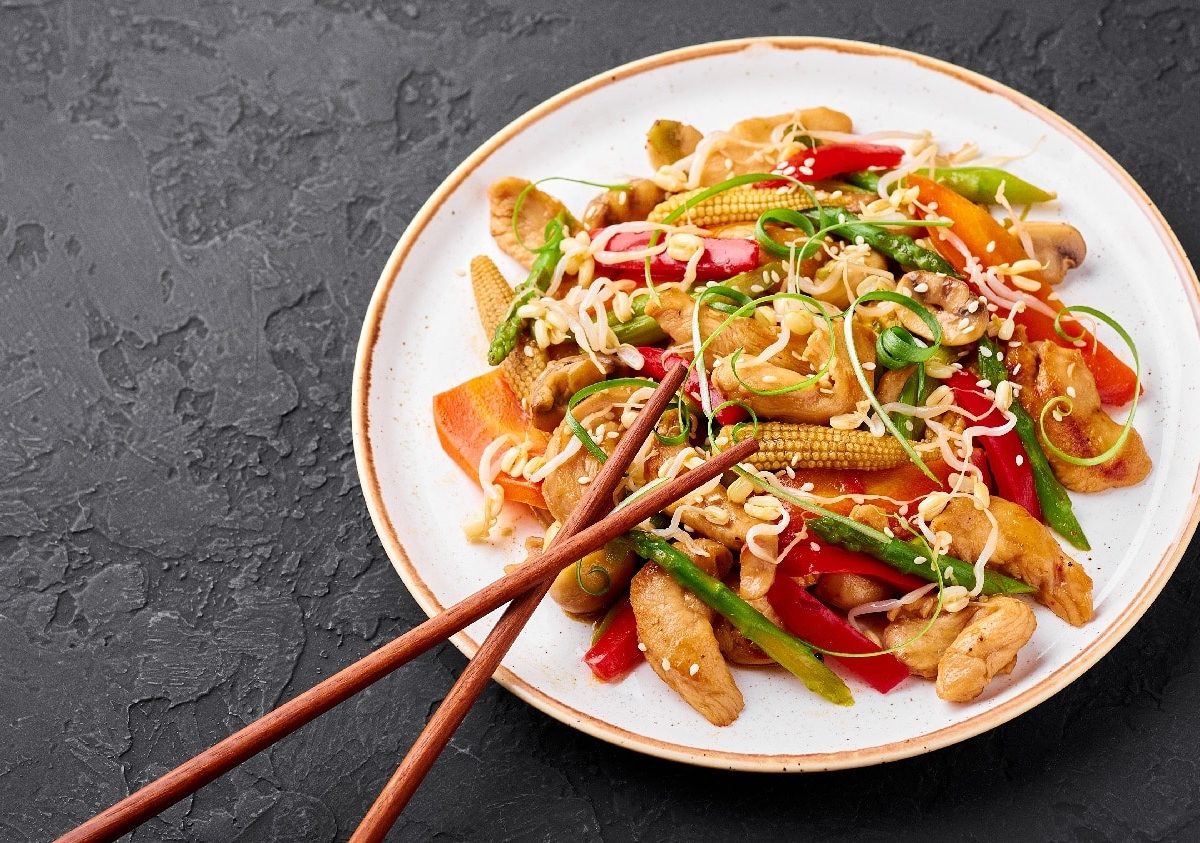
column 592, row 525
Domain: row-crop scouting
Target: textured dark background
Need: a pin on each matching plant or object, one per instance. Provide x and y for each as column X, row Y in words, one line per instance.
column 195, row 201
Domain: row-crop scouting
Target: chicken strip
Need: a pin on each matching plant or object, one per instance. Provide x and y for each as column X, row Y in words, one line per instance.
column 962, row 650
column 837, row 393
column 537, row 210
column 677, row 631
column 923, row 652
column 1025, row 549
column 1048, row 370
column 673, row 312
column 999, row 627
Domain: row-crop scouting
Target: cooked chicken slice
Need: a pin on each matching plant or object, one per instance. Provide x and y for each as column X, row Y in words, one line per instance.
column 561, row 488
column 1048, row 370
column 758, row 143
column 726, row 522
column 891, row 384
column 537, row 210
column 560, row 380
column 624, row 205
column 673, row 312
column 923, row 652
column 999, row 627
column 737, row 647
column 1025, row 549
column 676, row 630
column 963, row 650
column 846, row 591
column 835, row 394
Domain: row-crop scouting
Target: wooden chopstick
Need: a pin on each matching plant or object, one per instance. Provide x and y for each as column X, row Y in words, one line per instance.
column 597, row 502
column 223, row 756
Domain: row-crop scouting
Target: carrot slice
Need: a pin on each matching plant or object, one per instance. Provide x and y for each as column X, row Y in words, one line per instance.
column 470, row 416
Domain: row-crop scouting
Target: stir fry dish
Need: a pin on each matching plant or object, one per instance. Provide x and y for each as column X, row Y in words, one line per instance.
column 887, row 323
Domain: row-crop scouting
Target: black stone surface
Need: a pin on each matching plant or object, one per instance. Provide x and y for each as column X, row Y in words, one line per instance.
column 195, row 201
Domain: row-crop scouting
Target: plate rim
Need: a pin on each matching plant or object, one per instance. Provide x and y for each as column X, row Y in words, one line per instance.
column 758, row 762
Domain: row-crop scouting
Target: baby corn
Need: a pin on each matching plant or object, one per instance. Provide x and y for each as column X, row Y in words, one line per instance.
column 493, row 297
column 745, row 203
column 784, row 444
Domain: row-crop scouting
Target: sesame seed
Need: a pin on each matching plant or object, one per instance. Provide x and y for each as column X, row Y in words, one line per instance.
column 1017, row 369
column 693, row 670
column 990, row 247
column 1020, row 459
column 666, row 663
column 870, row 367
column 584, row 480
column 641, row 646
column 904, row 509
column 986, row 352
column 805, row 171
column 1071, row 391
column 983, row 382
column 814, row 547
column 921, row 288
column 807, row 487
column 964, row 323
column 973, row 306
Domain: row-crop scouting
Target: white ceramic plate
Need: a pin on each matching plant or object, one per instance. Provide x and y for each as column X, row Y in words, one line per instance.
column 421, row 337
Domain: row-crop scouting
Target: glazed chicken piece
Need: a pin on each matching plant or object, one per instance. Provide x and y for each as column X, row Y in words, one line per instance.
column 816, row 404
column 1026, row 549
column 988, row 645
column 1049, row 370
column 749, row 146
column 677, row 631
column 922, row 654
column 561, row 488
column 729, row 528
column 673, row 312
column 537, row 210
column 963, row 650
column 561, row 379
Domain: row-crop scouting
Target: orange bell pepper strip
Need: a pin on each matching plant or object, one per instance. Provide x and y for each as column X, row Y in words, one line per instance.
column 978, row 229
column 470, row 416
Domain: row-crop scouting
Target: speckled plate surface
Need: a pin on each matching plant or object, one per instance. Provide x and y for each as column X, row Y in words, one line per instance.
column 421, row 337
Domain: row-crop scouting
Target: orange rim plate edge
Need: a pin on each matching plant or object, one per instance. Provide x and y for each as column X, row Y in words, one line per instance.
column 678, row 752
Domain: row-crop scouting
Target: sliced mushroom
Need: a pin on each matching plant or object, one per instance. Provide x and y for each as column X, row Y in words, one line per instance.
column 560, row 380
column 626, row 205
column 596, row 580
column 1058, row 246
column 962, row 315
column 669, row 140
column 537, row 210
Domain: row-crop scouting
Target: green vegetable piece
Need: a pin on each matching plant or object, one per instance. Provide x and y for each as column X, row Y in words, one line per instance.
column 1053, row 497
column 640, row 330
column 916, row 390
column 899, row 247
column 548, row 254
column 904, row 557
column 979, row 184
column 767, row 278
column 792, row 653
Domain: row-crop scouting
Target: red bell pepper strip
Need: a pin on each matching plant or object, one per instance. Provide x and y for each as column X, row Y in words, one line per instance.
column 655, row 366
column 616, row 652
column 1009, row 463
column 814, row 556
column 978, row 230
column 808, row 618
column 722, row 258
column 835, row 159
